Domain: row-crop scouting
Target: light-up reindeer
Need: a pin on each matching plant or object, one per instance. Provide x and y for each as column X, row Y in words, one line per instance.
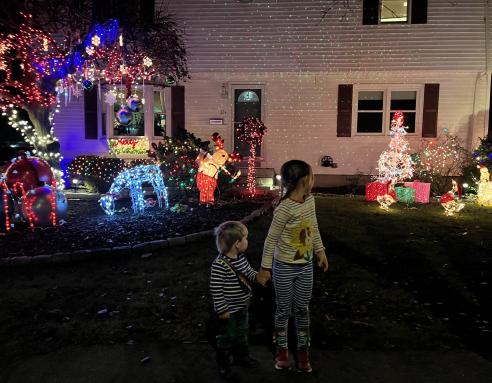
column 209, row 167
column 133, row 180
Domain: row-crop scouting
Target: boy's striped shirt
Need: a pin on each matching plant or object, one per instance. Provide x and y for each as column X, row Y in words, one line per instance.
column 227, row 293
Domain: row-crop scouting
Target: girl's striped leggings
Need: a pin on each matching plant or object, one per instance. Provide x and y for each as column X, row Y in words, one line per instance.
column 293, row 287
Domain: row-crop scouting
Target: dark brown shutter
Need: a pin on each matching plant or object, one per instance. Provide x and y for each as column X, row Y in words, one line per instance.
column 431, row 105
column 344, row 114
column 90, row 114
column 370, row 12
column 177, row 109
column 419, row 11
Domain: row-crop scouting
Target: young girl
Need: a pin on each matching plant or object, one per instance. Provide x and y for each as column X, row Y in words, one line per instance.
column 291, row 241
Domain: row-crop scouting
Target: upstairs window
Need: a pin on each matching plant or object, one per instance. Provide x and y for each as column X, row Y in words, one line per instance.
column 394, row 11
column 376, row 12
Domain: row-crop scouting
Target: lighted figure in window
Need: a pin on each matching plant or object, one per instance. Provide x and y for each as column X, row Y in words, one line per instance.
column 209, row 167
column 385, row 201
column 450, row 204
column 484, row 195
column 133, row 179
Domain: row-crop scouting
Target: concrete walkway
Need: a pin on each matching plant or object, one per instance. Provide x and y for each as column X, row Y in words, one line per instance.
column 195, row 363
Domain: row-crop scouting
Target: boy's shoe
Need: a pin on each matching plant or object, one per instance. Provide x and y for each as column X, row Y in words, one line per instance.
column 282, row 360
column 303, row 363
column 246, row 361
column 226, row 373
column 224, row 364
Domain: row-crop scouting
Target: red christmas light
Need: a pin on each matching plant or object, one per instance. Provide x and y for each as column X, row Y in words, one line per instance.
column 251, row 131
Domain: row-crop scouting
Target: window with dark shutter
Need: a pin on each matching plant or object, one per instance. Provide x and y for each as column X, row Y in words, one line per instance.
column 177, row 109
column 370, row 12
column 419, row 11
column 344, row 114
column 431, row 105
column 90, row 114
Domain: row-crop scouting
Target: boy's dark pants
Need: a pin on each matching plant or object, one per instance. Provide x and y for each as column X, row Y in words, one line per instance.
column 232, row 339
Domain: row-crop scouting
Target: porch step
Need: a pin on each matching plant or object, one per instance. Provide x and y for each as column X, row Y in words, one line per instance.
column 264, row 177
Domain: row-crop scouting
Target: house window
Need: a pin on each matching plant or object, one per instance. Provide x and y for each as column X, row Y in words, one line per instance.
column 370, row 112
column 394, row 11
column 375, row 109
column 405, row 101
column 129, row 116
column 159, row 108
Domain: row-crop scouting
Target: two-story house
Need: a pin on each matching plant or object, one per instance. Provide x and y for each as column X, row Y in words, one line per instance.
column 324, row 76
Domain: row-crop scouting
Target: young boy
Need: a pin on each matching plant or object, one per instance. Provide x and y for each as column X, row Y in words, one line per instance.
column 230, row 278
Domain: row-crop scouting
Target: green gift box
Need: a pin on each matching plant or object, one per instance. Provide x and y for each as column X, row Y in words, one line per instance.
column 406, row 195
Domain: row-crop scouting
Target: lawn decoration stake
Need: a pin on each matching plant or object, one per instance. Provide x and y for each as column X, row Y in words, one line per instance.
column 209, row 167
column 133, row 179
column 448, row 201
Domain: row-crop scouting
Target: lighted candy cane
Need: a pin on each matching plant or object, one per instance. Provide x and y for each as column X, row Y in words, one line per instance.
column 28, row 207
column 6, row 206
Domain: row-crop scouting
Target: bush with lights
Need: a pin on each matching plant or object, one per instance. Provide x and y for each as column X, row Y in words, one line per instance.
column 439, row 160
column 97, row 173
column 176, row 156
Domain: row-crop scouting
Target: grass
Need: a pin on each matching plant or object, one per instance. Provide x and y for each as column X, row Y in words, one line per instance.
column 405, row 279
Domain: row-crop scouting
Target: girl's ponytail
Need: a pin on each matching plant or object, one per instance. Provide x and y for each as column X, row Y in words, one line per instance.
column 292, row 172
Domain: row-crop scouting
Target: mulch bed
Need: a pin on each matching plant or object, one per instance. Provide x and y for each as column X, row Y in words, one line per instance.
column 86, row 226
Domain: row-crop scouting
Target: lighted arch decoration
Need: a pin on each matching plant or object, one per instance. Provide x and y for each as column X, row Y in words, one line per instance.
column 133, row 179
column 248, row 96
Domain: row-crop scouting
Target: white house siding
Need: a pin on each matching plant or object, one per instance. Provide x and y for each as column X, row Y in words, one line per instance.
column 301, row 57
column 291, row 35
column 301, row 113
column 70, row 130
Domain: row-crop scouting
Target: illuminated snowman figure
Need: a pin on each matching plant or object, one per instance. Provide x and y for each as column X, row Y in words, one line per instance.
column 209, row 167
column 133, row 180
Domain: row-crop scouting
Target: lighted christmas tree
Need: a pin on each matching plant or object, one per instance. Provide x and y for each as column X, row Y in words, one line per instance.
column 395, row 164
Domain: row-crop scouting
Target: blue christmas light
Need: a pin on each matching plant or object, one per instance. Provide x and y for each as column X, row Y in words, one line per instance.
column 59, row 68
column 133, row 180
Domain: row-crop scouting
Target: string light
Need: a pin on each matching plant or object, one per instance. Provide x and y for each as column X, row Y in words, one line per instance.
column 133, row 179
column 251, row 131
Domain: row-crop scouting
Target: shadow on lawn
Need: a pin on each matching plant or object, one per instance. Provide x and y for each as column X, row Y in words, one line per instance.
column 445, row 294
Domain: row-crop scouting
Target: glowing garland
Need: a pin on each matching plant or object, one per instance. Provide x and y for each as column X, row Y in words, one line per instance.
column 133, row 179
column 32, row 137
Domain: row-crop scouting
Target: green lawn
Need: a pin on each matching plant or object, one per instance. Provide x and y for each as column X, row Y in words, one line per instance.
column 405, row 279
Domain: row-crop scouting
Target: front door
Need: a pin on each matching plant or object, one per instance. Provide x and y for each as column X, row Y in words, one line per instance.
column 247, row 103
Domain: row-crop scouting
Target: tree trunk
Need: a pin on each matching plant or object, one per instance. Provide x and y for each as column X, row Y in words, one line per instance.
column 39, row 117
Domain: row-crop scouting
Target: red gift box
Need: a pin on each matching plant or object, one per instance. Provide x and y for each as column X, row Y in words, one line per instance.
column 422, row 190
column 375, row 189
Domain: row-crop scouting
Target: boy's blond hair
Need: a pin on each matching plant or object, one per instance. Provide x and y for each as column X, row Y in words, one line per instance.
column 227, row 233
